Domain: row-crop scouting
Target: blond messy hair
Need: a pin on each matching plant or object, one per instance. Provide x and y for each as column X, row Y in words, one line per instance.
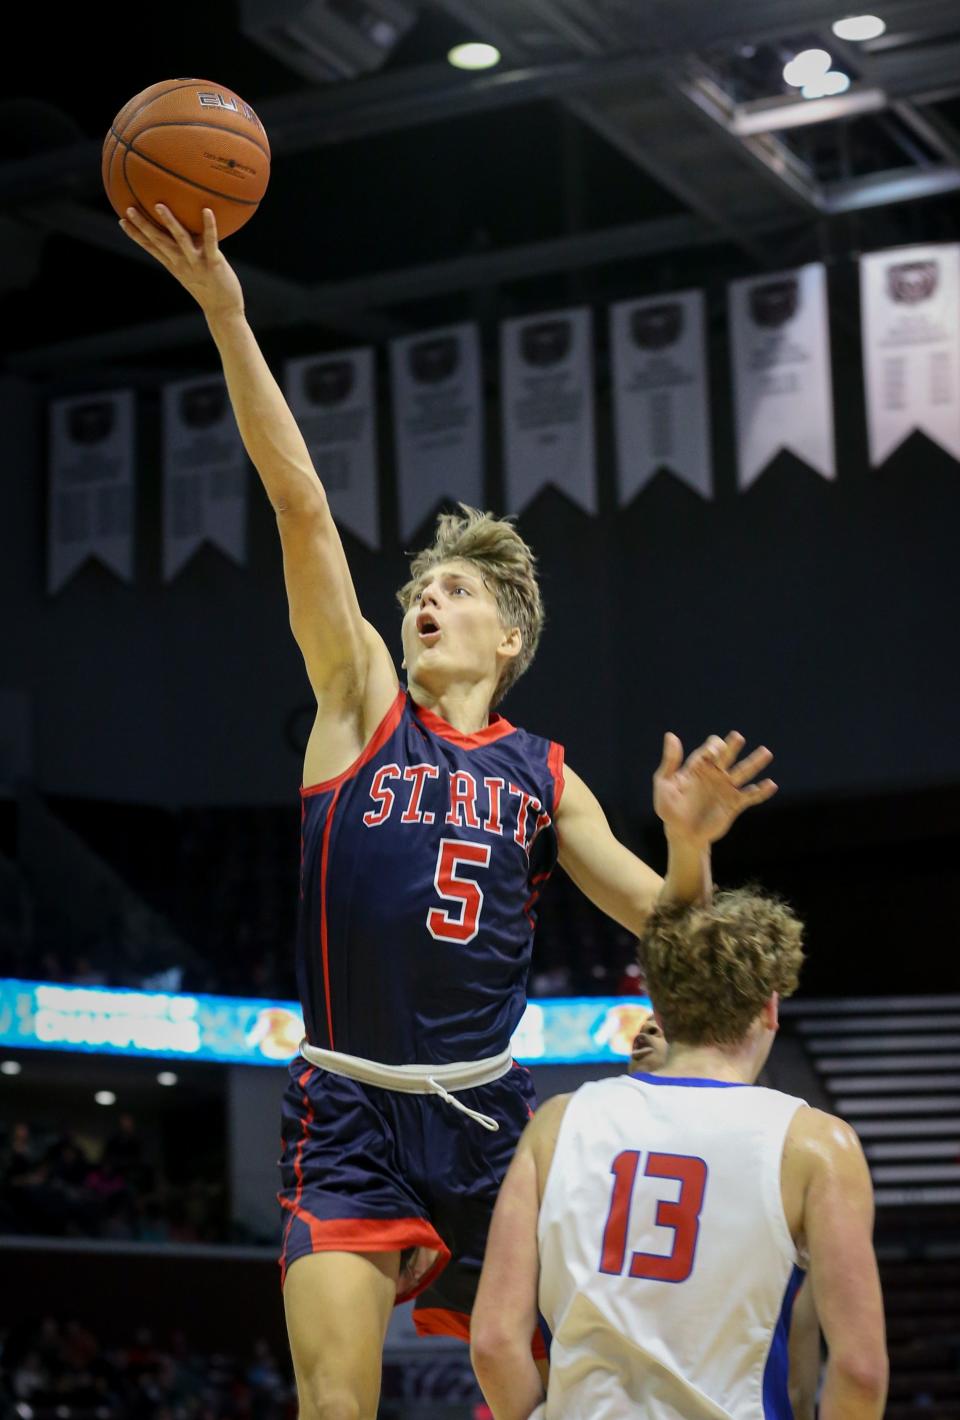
column 711, row 969
column 508, row 568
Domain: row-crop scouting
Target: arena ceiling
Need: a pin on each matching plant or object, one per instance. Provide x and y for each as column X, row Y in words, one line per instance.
column 620, row 146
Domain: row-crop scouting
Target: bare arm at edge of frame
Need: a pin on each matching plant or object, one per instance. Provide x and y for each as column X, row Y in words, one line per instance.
column 824, row 1165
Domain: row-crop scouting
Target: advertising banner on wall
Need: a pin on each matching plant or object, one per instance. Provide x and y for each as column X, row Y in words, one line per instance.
column 204, row 474
column 548, row 409
column 910, row 302
column 783, row 385
column 660, row 395
column 38, row 1015
column 333, row 398
column 91, row 480
column 438, row 421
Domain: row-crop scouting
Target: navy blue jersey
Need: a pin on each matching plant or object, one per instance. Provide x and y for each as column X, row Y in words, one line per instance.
column 421, row 866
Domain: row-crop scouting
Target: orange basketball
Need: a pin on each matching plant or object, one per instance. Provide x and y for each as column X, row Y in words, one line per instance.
column 190, row 144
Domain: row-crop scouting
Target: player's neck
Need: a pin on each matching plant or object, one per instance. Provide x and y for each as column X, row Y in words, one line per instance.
column 710, row 1062
column 464, row 706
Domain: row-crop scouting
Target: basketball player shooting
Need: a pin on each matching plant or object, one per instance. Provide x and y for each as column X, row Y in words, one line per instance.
column 430, row 825
column 662, row 1221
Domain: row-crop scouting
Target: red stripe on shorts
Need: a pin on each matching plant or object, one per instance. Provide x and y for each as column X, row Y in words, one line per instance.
column 441, row 1321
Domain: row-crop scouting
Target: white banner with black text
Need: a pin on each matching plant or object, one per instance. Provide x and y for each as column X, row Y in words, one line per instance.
column 91, row 479
column 660, row 395
column 783, row 385
column 204, row 474
column 910, row 302
column 333, row 398
column 438, row 421
column 548, row 410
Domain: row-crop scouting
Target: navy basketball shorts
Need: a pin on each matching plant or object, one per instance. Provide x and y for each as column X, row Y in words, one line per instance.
column 371, row 1170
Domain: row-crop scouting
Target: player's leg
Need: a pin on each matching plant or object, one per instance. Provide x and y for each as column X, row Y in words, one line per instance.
column 337, row 1307
column 467, row 1166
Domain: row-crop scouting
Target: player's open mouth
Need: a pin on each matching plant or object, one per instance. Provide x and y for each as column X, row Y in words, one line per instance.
column 428, row 630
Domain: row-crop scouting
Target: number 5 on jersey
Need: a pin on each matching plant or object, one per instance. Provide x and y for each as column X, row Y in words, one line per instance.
column 681, row 1214
column 463, row 923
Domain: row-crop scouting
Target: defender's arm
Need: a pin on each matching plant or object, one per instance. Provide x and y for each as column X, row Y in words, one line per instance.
column 838, row 1225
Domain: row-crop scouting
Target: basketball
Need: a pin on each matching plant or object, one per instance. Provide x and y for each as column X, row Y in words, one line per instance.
column 190, row 144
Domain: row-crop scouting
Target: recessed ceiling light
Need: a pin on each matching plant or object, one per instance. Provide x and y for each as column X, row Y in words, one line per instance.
column 474, row 56
column 10, row 1067
column 167, row 1077
column 860, row 27
column 832, row 83
column 105, row 1097
column 808, row 66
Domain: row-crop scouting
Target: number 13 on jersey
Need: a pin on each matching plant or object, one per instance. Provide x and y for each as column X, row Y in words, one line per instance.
column 682, row 1214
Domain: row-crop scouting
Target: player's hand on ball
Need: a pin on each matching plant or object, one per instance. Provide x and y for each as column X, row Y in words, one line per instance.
column 196, row 262
column 698, row 799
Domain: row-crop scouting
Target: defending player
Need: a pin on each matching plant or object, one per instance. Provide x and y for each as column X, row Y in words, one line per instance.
column 429, row 827
column 649, row 1054
column 662, row 1220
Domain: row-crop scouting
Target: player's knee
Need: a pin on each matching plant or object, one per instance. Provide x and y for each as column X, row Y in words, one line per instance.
column 322, row 1401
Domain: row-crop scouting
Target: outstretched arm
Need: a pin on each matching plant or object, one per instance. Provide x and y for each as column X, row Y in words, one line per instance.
column 697, row 801
column 337, row 645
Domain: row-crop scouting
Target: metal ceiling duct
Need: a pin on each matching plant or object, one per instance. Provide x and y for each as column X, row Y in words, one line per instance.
column 326, row 40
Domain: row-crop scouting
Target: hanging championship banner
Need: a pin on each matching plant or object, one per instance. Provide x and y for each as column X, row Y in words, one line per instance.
column 438, row 421
column 204, row 474
column 660, row 396
column 911, row 340
column 91, row 464
column 547, row 395
column 780, row 336
column 333, row 398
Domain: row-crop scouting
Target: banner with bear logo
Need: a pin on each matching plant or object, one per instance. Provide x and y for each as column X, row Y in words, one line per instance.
column 333, row 398
column 910, row 302
column 91, row 479
column 660, row 396
column 548, row 412
column 204, row 473
column 783, row 385
column 438, row 421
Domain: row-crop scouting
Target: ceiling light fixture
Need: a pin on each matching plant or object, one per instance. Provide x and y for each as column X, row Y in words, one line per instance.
column 474, row 56
column 808, row 66
column 860, row 27
column 832, row 83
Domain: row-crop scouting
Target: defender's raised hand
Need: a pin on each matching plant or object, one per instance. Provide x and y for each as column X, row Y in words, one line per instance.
column 196, row 262
column 699, row 799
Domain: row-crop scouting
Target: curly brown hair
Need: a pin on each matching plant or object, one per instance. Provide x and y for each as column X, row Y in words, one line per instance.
column 710, row 969
column 508, row 568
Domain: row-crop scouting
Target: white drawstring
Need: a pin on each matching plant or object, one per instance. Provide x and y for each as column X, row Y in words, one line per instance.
column 483, row 1119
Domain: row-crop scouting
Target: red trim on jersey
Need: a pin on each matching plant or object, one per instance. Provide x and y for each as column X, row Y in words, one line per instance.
column 442, row 1321
column 374, row 1235
column 555, row 766
column 297, row 1170
column 379, row 738
column 325, row 955
column 495, row 730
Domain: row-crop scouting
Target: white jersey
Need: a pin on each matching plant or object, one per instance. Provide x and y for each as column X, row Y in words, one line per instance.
column 668, row 1271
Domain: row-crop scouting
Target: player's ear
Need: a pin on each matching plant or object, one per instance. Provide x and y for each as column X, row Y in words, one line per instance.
column 511, row 643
